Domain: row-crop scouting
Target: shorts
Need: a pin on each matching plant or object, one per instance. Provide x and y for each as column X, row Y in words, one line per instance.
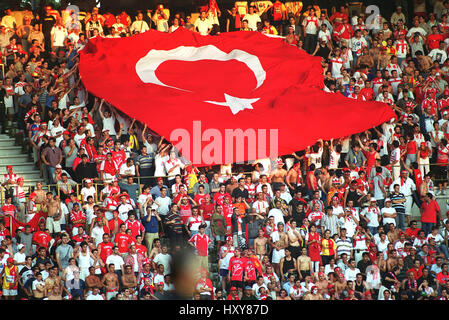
column 219, row 238
column 277, row 255
column 237, row 284
column 10, row 111
column 52, row 225
column 10, row 292
column 249, row 283
column 111, row 294
column 441, row 173
column 224, row 272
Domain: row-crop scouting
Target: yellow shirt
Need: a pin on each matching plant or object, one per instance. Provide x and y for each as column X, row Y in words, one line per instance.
column 328, row 247
column 9, row 278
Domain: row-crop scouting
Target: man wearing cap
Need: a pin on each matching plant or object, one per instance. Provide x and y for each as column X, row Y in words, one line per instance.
column 372, row 216
column 406, row 187
column 9, row 180
column 389, row 214
column 9, row 277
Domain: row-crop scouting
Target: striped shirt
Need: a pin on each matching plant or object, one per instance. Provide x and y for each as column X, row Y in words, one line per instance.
column 400, row 207
column 344, row 246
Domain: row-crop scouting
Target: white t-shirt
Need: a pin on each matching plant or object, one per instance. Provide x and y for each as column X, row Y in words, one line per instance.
column 315, row 158
column 78, row 138
column 351, row 274
column 108, row 123
column 334, row 159
column 20, row 257
column 36, row 283
column 94, row 297
column 252, row 20
column 86, row 192
column 90, row 127
column 372, row 214
column 165, row 260
column 159, row 167
column 390, row 210
column 203, row 26
column 97, row 234
column 277, row 214
column 125, row 170
column 59, row 34
column 55, row 131
column 117, row 260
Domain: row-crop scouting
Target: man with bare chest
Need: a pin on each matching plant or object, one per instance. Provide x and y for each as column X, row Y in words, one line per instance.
column 260, row 245
column 304, row 264
column 322, row 283
column 294, row 177
column 40, row 198
column 129, row 280
column 279, row 241
column 92, row 280
column 340, row 285
column 156, row 249
column 110, row 282
column 53, row 206
column 277, row 177
column 53, row 285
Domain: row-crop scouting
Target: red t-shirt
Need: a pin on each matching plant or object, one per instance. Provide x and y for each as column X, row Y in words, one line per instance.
column 442, row 278
column 433, row 40
column 236, row 267
column 250, row 270
column 199, row 198
column 136, row 227
column 105, row 250
column 207, row 209
column 219, row 198
column 122, row 240
column 412, row 233
column 201, row 243
column 78, row 215
column 429, row 213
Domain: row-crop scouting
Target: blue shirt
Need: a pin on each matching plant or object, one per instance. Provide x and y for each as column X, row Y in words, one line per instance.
column 152, row 226
column 156, row 191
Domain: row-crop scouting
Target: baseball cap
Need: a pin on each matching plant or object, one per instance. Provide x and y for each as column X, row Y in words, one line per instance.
column 233, row 289
column 373, row 199
column 160, row 284
column 387, row 200
column 66, row 132
column 20, row 246
column 335, row 180
column 228, row 238
column 248, row 288
column 445, row 221
column 58, row 166
column 88, row 181
column 445, row 112
column 11, row 260
column 160, row 179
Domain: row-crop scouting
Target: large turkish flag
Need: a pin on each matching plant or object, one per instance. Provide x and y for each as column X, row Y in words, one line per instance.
column 206, row 86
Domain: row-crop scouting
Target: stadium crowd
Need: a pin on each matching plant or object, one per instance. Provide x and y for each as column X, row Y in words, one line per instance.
column 333, row 222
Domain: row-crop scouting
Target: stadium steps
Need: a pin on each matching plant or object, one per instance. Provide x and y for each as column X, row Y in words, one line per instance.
column 12, row 153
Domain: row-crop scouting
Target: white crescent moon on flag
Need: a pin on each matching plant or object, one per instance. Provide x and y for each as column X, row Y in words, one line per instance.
column 146, row 67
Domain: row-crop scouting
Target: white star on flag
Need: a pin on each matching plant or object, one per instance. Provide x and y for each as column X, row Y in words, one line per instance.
column 235, row 104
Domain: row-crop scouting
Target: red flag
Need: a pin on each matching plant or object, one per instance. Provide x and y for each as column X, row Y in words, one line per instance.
column 33, row 223
column 207, row 86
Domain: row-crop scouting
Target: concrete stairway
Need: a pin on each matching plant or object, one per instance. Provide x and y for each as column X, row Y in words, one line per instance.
column 10, row 154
